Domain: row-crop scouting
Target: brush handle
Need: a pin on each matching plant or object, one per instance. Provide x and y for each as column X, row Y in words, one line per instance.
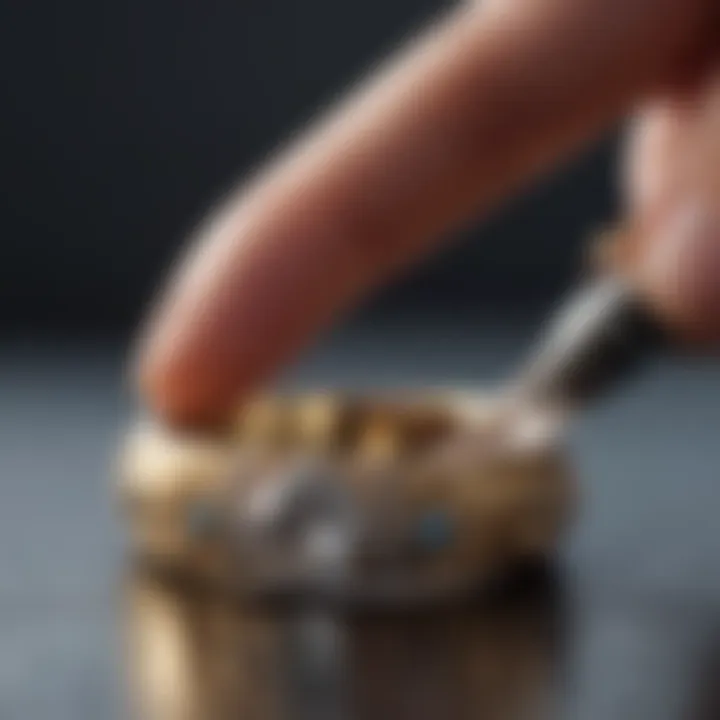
column 601, row 335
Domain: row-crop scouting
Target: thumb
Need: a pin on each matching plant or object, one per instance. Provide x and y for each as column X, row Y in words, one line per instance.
column 674, row 202
column 681, row 273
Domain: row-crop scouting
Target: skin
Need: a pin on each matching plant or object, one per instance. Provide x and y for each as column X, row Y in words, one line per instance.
column 673, row 191
column 486, row 100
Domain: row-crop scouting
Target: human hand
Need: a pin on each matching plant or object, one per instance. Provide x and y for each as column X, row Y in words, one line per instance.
column 672, row 182
column 489, row 98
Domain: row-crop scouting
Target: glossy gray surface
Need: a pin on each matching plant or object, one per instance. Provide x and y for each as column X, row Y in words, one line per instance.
column 641, row 574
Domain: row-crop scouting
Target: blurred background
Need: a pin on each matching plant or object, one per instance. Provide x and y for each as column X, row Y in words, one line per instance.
column 122, row 123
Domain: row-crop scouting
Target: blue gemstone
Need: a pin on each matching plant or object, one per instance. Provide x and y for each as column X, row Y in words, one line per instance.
column 436, row 530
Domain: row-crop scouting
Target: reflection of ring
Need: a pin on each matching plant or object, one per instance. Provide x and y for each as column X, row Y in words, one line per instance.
column 196, row 657
column 362, row 497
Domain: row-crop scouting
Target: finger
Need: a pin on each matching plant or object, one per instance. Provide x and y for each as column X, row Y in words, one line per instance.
column 674, row 198
column 484, row 100
column 681, row 273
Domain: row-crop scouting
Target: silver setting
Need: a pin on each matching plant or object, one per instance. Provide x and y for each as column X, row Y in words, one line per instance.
column 301, row 529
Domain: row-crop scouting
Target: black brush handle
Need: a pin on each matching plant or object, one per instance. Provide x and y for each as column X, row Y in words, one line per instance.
column 600, row 337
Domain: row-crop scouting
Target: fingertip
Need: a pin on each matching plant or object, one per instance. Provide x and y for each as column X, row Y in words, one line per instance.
column 171, row 388
column 682, row 274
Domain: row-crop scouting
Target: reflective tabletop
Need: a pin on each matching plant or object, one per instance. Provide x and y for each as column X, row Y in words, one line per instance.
column 628, row 629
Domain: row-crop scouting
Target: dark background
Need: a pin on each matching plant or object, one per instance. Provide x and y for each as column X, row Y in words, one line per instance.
column 123, row 121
